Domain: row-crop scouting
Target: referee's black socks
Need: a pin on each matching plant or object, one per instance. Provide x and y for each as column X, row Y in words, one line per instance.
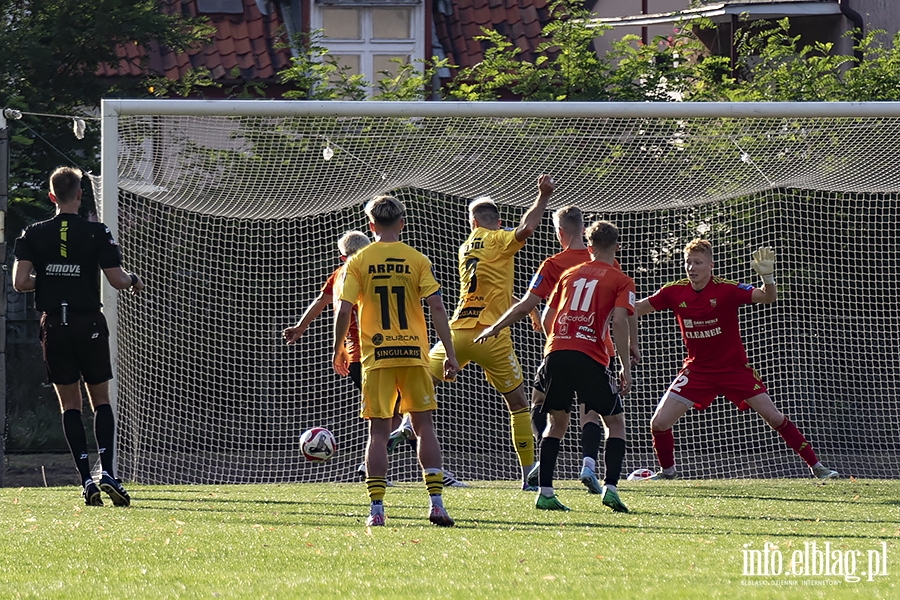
column 104, row 431
column 73, row 429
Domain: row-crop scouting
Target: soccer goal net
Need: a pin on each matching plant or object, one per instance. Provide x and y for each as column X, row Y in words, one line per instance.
column 231, row 210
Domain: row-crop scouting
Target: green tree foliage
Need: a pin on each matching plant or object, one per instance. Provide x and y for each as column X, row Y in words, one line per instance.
column 50, row 51
column 774, row 66
column 408, row 82
column 566, row 67
column 316, row 75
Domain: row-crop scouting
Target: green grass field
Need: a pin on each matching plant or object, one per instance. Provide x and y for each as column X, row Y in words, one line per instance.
column 682, row 539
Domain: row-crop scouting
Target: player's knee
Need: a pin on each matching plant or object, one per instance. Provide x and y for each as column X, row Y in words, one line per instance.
column 775, row 420
column 657, row 425
column 515, row 399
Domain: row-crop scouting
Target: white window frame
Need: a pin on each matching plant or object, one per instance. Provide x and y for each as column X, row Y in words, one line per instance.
column 366, row 49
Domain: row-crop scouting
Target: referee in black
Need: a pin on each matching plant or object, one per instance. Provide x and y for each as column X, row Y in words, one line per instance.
column 60, row 260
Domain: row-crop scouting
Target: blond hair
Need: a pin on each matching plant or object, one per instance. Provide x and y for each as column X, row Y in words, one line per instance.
column 352, row 241
column 484, row 211
column 65, row 183
column 385, row 210
column 569, row 219
column 698, row 245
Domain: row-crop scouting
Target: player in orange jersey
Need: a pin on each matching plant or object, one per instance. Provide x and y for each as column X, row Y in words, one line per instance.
column 588, row 300
column 569, row 224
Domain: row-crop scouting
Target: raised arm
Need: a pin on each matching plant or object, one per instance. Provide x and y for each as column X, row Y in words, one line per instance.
column 532, row 217
column 514, row 313
column 763, row 262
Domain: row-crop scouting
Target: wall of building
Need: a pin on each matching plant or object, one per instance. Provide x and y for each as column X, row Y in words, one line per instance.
column 879, row 14
column 876, row 14
column 621, row 8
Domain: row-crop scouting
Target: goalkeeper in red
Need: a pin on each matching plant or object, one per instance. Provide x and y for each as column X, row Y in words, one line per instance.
column 387, row 280
column 706, row 309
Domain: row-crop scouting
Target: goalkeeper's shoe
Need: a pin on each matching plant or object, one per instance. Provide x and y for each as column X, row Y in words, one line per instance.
column 376, row 520
column 549, row 503
column 527, row 487
column 451, row 481
column 822, row 472
column 611, row 499
column 398, row 436
column 662, row 475
column 438, row 516
column 534, row 475
column 114, row 490
column 91, row 495
column 589, row 480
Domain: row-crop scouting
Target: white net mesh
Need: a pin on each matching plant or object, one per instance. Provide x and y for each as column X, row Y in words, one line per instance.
column 233, row 223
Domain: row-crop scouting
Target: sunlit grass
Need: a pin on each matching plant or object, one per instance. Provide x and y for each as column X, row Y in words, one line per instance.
column 682, row 539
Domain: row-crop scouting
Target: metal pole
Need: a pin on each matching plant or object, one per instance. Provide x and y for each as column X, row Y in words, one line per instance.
column 108, row 213
column 4, row 190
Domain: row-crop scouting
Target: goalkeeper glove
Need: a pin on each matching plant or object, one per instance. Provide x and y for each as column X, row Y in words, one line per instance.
column 763, row 262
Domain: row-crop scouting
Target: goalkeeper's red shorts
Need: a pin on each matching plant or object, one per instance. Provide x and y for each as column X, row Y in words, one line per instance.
column 701, row 389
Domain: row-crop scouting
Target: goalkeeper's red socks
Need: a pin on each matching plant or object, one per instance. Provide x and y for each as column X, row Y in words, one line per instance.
column 795, row 440
column 664, row 448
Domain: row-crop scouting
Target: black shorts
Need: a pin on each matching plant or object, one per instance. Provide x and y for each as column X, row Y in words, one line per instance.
column 540, row 378
column 79, row 350
column 356, row 374
column 571, row 374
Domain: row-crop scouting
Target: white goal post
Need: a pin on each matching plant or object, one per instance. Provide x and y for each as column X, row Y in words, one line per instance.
column 230, row 210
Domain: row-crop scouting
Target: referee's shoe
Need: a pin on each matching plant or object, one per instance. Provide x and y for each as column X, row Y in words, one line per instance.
column 114, row 489
column 91, row 494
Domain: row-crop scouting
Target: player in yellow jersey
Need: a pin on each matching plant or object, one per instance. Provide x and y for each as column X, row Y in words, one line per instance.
column 569, row 224
column 386, row 280
column 486, row 278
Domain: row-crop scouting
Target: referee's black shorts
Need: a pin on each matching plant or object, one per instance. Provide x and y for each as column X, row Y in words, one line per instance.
column 571, row 375
column 78, row 350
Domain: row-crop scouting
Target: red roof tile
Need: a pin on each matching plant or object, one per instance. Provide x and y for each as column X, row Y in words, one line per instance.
column 250, row 39
column 264, row 63
column 520, row 20
column 251, row 35
column 243, row 46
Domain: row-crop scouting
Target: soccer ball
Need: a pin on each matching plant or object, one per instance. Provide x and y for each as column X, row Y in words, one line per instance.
column 317, row 444
column 640, row 475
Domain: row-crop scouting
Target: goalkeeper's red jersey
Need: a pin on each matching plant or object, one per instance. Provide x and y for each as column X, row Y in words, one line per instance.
column 351, row 342
column 584, row 299
column 708, row 320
